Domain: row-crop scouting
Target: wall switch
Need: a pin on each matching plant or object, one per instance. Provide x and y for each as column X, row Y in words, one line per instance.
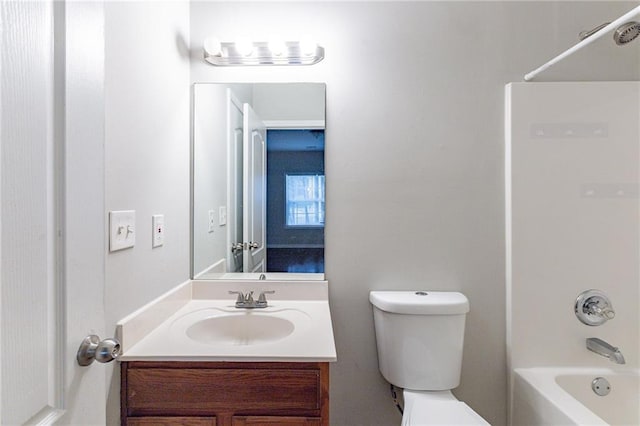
column 122, row 229
column 212, row 220
column 222, row 215
column 157, row 223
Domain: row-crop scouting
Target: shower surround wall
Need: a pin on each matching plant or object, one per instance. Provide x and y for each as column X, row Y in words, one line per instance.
column 573, row 218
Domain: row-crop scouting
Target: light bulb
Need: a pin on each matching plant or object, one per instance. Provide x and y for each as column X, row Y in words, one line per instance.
column 212, row 46
column 244, row 47
column 308, row 46
column 277, row 46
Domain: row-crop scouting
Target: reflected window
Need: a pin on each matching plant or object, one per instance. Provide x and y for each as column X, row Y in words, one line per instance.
column 304, row 200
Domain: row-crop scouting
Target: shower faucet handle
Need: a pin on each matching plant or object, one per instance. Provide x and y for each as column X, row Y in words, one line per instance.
column 605, row 311
column 593, row 307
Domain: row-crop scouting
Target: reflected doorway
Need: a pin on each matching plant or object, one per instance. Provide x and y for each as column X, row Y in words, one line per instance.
column 295, row 200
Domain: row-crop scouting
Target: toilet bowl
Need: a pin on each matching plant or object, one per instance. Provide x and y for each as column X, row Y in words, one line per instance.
column 420, row 336
column 437, row 408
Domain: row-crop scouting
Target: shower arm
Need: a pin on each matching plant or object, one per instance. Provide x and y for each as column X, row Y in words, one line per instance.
column 611, row 26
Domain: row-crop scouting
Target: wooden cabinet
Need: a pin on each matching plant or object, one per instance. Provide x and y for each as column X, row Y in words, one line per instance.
column 171, row 421
column 224, row 393
column 275, row 420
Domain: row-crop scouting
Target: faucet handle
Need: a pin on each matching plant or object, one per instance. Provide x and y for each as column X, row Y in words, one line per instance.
column 605, row 311
column 262, row 298
column 593, row 307
column 240, row 298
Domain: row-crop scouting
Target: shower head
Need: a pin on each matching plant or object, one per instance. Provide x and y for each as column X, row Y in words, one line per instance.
column 626, row 33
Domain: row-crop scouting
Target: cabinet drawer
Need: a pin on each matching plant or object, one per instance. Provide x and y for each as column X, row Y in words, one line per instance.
column 199, row 391
column 171, row 421
column 272, row 421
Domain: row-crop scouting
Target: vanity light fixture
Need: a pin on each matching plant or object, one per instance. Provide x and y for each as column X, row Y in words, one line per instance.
column 274, row 52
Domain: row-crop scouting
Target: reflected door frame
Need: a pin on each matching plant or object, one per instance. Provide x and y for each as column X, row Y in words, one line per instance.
column 235, row 184
column 255, row 191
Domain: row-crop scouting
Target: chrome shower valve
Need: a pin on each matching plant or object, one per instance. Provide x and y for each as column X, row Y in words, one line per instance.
column 593, row 307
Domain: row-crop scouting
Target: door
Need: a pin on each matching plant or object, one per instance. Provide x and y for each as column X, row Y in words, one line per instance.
column 235, row 177
column 255, row 178
column 52, row 218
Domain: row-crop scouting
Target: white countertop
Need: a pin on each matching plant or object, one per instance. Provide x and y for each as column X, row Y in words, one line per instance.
column 158, row 331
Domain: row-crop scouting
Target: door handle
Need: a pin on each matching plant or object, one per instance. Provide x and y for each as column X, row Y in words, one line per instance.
column 244, row 246
column 93, row 349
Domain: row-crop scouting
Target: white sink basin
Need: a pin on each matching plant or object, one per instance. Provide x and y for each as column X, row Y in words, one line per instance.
column 240, row 329
column 198, row 321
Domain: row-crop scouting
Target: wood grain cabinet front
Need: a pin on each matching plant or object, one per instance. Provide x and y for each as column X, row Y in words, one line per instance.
column 272, row 421
column 224, row 393
column 172, row 421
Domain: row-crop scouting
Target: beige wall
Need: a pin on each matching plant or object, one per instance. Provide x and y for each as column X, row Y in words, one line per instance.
column 414, row 157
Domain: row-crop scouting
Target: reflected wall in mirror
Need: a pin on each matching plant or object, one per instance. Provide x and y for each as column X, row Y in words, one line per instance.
column 258, row 180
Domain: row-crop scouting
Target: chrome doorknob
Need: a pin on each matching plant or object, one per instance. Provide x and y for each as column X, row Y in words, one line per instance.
column 93, row 349
column 253, row 245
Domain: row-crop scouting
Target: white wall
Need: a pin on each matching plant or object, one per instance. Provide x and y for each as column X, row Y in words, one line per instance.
column 414, row 156
column 289, row 102
column 570, row 229
column 147, row 152
column 210, row 152
column 210, row 175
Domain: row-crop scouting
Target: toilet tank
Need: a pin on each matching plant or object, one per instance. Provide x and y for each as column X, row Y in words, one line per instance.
column 420, row 335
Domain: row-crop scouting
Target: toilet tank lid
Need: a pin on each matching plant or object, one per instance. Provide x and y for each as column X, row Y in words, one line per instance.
column 420, row 302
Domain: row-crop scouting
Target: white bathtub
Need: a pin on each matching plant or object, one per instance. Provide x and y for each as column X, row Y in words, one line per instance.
column 563, row 396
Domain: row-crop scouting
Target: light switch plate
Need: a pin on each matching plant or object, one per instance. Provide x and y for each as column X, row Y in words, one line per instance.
column 222, row 215
column 157, row 223
column 122, row 229
column 212, row 221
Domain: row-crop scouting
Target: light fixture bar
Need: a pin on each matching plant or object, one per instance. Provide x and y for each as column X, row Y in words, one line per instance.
column 228, row 54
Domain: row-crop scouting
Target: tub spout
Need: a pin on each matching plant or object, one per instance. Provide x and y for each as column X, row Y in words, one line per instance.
column 606, row 350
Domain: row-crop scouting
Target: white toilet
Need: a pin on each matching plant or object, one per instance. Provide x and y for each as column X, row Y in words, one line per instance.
column 420, row 336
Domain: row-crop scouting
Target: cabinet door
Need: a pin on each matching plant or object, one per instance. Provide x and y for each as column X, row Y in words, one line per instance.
column 171, row 421
column 273, row 420
column 201, row 392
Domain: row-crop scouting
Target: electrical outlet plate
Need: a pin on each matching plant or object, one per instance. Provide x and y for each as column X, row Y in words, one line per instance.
column 157, row 234
column 212, row 221
column 122, row 229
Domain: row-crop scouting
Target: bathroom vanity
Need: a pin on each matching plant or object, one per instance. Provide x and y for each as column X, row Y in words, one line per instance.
column 225, row 393
column 192, row 358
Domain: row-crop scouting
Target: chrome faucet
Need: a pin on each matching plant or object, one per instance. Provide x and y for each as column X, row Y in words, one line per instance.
column 606, row 350
column 246, row 301
column 593, row 307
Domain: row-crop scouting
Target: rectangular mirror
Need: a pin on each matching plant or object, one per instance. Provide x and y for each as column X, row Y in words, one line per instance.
column 258, row 204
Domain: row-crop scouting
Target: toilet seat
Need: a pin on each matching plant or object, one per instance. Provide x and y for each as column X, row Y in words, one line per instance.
column 424, row 408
